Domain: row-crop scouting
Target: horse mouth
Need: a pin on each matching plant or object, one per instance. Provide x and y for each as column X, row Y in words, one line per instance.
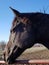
column 15, row 54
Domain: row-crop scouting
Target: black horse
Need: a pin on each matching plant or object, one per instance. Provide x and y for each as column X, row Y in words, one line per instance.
column 27, row 29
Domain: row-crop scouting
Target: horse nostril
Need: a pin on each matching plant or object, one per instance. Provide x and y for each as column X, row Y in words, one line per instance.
column 14, row 48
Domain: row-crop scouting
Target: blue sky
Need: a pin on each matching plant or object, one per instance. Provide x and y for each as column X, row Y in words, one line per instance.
column 6, row 15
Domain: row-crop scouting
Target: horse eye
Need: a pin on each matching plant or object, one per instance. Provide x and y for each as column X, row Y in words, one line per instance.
column 17, row 21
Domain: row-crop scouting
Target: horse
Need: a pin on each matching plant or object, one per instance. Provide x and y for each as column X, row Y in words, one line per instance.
column 27, row 29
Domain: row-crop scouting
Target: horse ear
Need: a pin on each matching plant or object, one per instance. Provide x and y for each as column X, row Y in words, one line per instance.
column 17, row 13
